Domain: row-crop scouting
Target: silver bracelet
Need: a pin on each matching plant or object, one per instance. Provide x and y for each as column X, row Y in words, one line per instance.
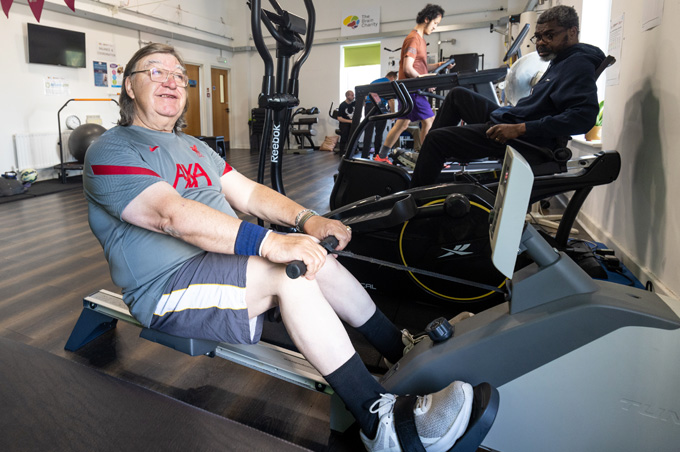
column 302, row 218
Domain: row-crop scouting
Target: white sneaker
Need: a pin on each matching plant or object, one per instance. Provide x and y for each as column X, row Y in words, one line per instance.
column 441, row 418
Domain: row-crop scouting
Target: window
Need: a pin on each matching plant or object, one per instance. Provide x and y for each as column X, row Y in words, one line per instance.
column 360, row 65
column 595, row 30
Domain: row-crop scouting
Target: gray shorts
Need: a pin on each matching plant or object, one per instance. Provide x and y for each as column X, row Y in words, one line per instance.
column 206, row 299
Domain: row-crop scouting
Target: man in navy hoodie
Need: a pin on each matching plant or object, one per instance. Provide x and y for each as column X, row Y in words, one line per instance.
column 562, row 103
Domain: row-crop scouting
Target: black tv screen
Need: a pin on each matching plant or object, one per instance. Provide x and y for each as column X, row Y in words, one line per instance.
column 48, row 45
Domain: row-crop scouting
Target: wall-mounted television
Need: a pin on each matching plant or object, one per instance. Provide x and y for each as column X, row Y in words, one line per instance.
column 49, row 45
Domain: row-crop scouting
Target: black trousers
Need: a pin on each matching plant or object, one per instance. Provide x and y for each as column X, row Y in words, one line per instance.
column 377, row 140
column 344, row 135
column 449, row 141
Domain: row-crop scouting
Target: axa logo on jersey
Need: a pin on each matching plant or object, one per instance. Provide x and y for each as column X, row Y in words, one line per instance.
column 190, row 174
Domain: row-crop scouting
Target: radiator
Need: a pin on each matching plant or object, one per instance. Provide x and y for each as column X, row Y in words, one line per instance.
column 39, row 150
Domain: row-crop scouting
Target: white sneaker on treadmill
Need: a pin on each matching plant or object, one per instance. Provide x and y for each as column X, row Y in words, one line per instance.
column 441, row 418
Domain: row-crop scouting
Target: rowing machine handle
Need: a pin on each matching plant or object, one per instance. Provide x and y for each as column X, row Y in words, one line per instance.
column 296, row 269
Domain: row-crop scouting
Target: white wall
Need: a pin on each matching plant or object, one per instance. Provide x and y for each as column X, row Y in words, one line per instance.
column 28, row 109
column 639, row 214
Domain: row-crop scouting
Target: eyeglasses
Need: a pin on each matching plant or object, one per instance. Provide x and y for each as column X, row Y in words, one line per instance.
column 161, row 76
column 545, row 37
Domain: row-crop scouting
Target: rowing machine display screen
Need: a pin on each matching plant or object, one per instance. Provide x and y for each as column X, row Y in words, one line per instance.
column 509, row 212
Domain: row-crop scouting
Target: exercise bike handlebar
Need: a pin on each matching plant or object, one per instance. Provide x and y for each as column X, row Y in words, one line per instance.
column 430, row 94
column 296, row 269
column 405, row 107
column 405, row 103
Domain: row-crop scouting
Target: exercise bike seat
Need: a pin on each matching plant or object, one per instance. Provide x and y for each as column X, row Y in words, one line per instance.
column 484, row 409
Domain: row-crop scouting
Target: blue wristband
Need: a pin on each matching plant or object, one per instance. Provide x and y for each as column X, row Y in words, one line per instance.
column 249, row 239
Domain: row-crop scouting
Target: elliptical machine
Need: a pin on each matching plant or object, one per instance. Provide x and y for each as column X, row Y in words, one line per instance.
column 280, row 93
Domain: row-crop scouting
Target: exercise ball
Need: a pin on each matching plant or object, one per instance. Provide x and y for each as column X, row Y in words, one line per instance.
column 81, row 139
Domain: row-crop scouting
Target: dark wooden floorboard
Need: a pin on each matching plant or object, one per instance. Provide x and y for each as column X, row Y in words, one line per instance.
column 49, row 261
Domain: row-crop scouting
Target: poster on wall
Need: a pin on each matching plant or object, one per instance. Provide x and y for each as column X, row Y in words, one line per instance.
column 56, row 86
column 360, row 21
column 106, row 50
column 116, row 74
column 614, row 49
column 651, row 14
column 100, row 73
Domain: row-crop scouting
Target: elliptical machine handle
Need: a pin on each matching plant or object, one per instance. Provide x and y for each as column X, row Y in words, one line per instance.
column 258, row 16
column 293, row 85
column 296, row 269
column 255, row 17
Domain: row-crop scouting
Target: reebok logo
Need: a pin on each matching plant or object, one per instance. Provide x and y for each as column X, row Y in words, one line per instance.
column 276, row 134
column 458, row 250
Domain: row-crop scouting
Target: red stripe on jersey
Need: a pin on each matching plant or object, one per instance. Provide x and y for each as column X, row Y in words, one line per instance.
column 114, row 170
column 227, row 168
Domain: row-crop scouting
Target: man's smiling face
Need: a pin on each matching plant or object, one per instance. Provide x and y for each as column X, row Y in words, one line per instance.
column 157, row 105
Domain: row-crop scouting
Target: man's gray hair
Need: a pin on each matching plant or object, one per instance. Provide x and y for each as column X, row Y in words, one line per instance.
column 127, row 103
column 565, row 16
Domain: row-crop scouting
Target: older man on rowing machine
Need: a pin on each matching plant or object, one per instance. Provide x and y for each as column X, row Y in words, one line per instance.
column 162, row 203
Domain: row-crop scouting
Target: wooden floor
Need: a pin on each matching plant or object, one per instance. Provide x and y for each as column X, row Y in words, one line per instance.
column 49, row 260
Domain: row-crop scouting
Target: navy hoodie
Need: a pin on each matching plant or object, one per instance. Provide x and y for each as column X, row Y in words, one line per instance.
column 564, row 101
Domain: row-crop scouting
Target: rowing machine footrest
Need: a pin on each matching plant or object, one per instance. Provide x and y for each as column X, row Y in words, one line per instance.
column 192, row 347
column 90, row 325
column 484, row 410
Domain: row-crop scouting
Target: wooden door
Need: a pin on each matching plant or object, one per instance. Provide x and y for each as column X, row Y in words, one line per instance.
column 220, row 103
column 193, row 116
